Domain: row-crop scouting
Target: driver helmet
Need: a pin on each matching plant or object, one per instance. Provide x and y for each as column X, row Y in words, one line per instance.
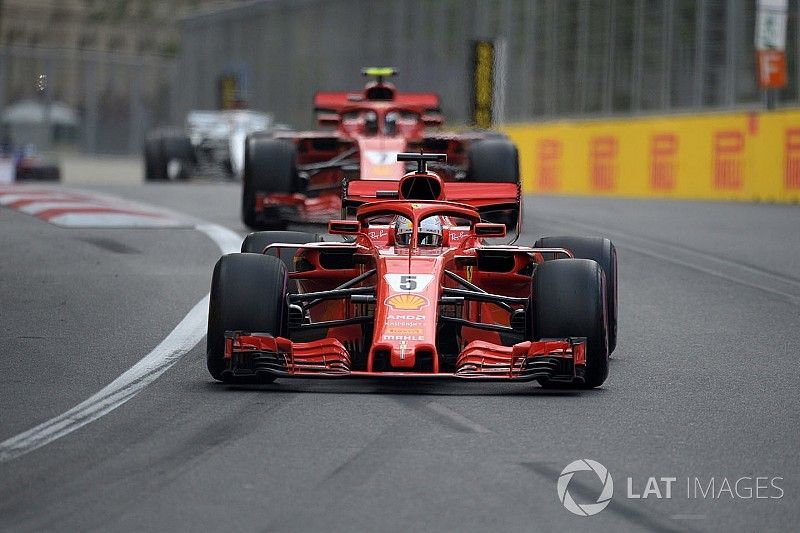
column 390, row 123
column 371, row 122
column 429, row 234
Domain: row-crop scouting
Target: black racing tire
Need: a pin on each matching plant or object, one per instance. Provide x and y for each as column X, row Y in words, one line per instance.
column 269, row 167
column 178, row 146
column 248, row 292
column 493, row 161
column 39, row 173
column 604, row 252
column 568, row 300
column 154, row 169
column 164, row 145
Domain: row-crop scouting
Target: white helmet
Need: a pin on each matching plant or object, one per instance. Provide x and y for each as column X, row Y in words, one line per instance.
column 429, row 234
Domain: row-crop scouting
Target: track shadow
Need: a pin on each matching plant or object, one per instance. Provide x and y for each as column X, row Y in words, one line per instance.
column 399, row 387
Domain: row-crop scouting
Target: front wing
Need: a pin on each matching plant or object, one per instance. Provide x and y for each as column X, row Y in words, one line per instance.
column 555, row 360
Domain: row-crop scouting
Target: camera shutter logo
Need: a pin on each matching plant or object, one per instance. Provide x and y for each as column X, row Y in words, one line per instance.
column 585, row 509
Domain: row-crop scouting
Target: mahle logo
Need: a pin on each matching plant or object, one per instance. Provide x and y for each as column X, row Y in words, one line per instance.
column 585, row 509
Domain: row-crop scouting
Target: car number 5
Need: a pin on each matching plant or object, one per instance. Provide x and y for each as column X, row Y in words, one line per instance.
column 408, row 283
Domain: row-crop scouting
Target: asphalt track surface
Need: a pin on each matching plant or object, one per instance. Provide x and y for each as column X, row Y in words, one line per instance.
column 704, row 384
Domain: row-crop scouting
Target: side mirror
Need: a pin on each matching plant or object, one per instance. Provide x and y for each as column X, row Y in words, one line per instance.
column 344, row 227
column 486, row 229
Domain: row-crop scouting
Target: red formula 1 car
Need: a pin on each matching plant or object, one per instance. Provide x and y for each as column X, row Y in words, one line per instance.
column 415, row 293
column 297, row 177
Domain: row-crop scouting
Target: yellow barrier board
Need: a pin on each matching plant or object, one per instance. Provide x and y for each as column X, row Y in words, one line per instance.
column 733, row 156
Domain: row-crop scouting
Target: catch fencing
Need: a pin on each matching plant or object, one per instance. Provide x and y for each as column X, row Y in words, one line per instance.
column 560, row 58
column 556, row 59
column 92, row 102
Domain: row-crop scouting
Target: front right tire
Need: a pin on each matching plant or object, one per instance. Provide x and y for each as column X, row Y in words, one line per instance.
column 568, row 300
column 601, row 250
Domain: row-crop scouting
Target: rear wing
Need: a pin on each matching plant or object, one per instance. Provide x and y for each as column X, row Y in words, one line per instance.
column 335, row 102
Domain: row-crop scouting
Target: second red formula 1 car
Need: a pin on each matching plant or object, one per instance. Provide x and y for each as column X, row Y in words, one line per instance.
column 416, row 292
column 297, row 176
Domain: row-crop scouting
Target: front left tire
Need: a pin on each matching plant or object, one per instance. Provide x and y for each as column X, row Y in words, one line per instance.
column 248, row 293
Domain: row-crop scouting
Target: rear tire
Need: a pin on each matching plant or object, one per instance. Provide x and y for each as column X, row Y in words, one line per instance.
column 495, row 160
column 269, row 167
column 248, row 292
column 154, row 170
column 164, row 146
column 568, row 300
column 605, row 253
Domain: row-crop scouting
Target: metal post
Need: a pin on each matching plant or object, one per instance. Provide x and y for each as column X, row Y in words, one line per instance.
column 797, row 51
column 175, row 71
column 439, row 42
column 732, row 8
column 638, row 55
column 135, row 108
column 3, row 70
column 582, row 61
column 502, row 74
column 550, row 33
column 699, row 54
column 608, row 67
column 529, row 78
column 400, row 38
column 666, row 54
column 47, row 93
column 771, row 97
column 90, row 105
column 500, row 80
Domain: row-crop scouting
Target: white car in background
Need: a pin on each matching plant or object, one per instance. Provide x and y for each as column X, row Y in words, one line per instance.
column 211, row 145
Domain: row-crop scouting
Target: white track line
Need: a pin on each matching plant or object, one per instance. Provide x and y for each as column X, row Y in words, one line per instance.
column 181, row 340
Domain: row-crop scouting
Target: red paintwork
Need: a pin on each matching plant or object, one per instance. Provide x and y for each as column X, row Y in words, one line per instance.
column 480, row 359
column 343, row 127
column 338, row 101
column 473, row 194
column 405, row 314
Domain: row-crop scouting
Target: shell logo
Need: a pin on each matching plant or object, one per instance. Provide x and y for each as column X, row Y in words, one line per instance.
column 406, row 301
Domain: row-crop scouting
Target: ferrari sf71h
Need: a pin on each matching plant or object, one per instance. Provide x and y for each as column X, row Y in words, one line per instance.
column 297, row 177
column 415, row 291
